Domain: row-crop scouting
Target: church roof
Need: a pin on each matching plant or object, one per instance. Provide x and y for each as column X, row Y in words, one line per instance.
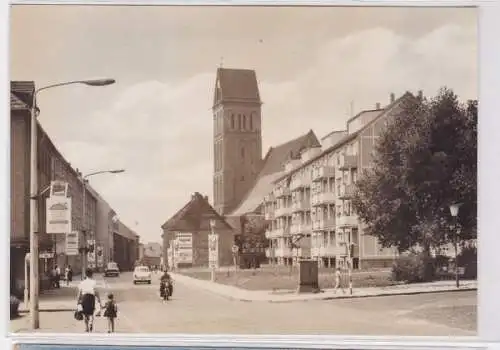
column 273, row 168
column 236, row 84
column 191, row 216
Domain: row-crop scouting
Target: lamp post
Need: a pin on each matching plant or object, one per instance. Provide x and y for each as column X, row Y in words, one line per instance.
column 84, row 213
column 454, row 208
column 34, row 242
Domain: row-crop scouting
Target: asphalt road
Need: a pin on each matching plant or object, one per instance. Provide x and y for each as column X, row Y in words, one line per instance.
column 198, row 311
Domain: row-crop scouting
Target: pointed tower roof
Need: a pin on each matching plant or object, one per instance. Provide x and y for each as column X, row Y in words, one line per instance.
column 239, row 85
column 190, row 217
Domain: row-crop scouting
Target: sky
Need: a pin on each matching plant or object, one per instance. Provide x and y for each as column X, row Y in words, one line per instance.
column 315, row 66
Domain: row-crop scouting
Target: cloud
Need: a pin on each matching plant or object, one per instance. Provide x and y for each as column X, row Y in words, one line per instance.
column 161, row 132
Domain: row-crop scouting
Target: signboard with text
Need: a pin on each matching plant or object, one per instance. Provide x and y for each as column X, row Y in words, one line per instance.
column 183, row 250
column 58, row 215
column 91, row 260
column 213, row 250
column 72, row 243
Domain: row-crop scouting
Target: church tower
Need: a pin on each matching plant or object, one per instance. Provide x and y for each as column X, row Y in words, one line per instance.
column 237, row 136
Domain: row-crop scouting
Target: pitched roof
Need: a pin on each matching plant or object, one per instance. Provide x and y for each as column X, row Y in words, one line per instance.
column 125, row 231
column 21, row 94
column 192, row 214
column 274, row 165
column 236, row 84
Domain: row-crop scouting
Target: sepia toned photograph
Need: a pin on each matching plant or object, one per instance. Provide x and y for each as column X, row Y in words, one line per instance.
column 243, row 170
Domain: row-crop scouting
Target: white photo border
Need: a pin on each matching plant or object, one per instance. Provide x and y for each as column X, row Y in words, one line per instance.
column 488, row 195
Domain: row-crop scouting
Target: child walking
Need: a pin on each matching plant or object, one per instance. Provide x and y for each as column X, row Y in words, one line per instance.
column 110, row 312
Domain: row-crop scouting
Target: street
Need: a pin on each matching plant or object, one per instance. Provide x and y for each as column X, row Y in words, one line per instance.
column 197, row 311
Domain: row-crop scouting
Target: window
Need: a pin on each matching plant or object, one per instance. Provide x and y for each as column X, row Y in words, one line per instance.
column 232, row 121
column 251, row 121
column 244, row 122
column 239, row 121
column 242, row 178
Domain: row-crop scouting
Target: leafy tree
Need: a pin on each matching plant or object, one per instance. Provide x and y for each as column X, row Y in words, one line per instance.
column 425, row 160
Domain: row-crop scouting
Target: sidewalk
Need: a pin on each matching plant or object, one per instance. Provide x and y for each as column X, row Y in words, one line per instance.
column 62, row 299
column 239, row 294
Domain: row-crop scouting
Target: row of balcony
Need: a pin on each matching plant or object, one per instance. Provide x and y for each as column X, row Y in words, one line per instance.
column 323, row 224
column 331, row 250
column 317, row 200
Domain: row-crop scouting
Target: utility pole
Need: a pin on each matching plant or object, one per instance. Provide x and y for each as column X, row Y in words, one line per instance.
column 34, row 244
column 84, row 228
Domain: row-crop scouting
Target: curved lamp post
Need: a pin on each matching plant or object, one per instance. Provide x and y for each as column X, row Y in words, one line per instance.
column 34, row 243
column 84, row 212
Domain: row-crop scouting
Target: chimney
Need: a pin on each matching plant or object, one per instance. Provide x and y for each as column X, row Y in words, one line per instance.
column 377, row 105
column 393, row 98
column 420, row 95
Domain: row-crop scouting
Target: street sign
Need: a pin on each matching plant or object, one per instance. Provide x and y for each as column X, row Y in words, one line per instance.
column 46, row 255
column 58, row 215
column 72, row 243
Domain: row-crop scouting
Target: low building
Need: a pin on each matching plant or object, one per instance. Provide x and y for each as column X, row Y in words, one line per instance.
column 126, row 247
column 152, row 253
column 191, row 224
column 309, row 208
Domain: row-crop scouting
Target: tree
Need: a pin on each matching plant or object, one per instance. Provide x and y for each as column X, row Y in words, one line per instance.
column 425, row 160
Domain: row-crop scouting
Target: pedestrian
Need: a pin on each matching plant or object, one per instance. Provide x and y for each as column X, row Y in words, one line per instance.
column 87, row 296
column 58, row 277
column 110, row 312
column 338, row 280
column 69, row 276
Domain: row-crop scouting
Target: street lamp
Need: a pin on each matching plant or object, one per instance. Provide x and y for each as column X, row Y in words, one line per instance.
column 34, row 243
column 454, row 208
column 84, row 213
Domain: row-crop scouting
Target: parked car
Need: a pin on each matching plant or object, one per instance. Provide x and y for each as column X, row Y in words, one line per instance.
column 111, row 269
column 14, row 306
column 142, row 274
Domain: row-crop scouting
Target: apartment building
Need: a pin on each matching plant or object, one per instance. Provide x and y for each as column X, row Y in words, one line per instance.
column 309, row 208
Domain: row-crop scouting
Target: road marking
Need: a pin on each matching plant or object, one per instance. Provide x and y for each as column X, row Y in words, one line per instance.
column 123, row 316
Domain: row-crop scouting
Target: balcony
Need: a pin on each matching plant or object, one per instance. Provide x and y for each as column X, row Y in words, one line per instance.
column 348, row 162
column 347, row 221
column 303, row 252
column 323, row 224
column 270, row 233
column 315, row 251
column 302, row 205
column 281, row 192
column 269, row 215
column 269, row 198
column 300, row 228
column 300, row 182
column 315, row 199
column 282, row 231
column 283, row 252
column 282, row 211
column 346, row 192
column 323, row 172
column 331, row 251
column 327, row 197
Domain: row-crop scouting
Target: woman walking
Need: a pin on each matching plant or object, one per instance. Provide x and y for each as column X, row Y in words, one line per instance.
column 87, row 296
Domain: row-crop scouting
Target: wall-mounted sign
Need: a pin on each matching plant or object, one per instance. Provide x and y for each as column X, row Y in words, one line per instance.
column 72, row 243
column 58, row 215
column 183, row 248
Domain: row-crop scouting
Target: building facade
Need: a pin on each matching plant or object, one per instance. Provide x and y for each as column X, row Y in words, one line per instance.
column 309, row 209
column 51, row 166
column 237, row 136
